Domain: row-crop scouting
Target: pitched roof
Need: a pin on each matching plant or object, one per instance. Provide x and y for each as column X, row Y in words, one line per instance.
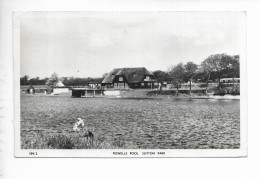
column 132, row 75
column 110, row 76
column 59, row 84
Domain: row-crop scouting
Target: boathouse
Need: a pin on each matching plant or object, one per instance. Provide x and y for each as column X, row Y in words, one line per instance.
column 86, row 92
column 60, row 88
column 123, row 78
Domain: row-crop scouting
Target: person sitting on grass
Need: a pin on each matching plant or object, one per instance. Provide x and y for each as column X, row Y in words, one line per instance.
column 79, row 124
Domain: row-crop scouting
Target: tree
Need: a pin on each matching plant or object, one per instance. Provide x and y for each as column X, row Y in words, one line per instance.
column 205, row 73
column 24, row 80
column 234, row 68
column 35, row 81
column 53, row 80
column 220, row 65
column 177, row 74
column 161, row 76
column 190, row 72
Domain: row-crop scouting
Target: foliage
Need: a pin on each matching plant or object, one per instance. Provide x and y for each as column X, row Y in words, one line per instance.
column 220, row 65
column 67, row 81
column 190, row 70
column 177, row 74
column 24, row 80
column 214, row 67
column 53, row 80
column 33, row 81
column 236, row 91
column 71, row 81
column 60, row 142
column 161, row 76
column 37, row 81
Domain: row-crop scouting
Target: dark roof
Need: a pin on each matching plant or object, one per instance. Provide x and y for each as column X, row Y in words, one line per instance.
column 132, row 75
column 110, row 76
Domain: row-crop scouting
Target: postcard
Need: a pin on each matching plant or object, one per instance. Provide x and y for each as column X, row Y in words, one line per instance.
column 130, row 84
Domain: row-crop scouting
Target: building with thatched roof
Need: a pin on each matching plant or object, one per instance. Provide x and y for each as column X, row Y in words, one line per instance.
column 122, row 78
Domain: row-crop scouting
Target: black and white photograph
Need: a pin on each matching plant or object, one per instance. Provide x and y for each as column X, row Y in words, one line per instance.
column 130, row 84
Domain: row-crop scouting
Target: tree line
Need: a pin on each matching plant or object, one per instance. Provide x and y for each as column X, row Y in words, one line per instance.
column 67, row 81
column 213, row 68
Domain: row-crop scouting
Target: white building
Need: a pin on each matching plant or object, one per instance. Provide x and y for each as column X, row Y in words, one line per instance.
column 230, row 80
column 60, row 88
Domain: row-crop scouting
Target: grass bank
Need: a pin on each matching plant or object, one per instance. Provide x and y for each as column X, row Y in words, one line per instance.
column 61, row 141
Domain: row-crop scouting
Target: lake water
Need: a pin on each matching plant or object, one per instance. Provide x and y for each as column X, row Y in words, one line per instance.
column 138, row 123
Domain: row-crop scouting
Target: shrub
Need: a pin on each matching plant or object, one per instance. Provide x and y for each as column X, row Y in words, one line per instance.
column 48, row 142
column 60, row 142
column 203, row 85
column 41, row 141
column 236, row 91
column 221, row 92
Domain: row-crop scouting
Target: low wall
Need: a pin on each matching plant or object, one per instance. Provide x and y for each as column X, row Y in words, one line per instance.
column 112, row 93
column 60, row 90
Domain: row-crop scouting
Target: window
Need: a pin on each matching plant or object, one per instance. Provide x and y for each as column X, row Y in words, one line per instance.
column 121, row 78
column 147, row 78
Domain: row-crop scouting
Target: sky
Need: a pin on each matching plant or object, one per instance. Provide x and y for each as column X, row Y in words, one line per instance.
column 91, row 44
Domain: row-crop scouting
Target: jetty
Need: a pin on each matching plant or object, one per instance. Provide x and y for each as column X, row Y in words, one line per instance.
column 86, row 92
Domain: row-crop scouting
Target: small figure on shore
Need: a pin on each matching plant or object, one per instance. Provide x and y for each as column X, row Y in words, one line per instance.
column 79, row 124
column 89, row 135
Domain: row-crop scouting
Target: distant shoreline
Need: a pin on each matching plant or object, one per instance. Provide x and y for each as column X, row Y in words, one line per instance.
column 196, row 93
column 158, row 97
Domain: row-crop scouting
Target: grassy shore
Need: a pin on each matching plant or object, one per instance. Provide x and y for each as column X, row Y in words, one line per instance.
column 64, row 141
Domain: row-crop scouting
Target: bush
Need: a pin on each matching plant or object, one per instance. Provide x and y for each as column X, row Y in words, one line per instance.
column 236, row 91
column 221, row 92
column 203, row 85
column 60, row 142
column 41, row 141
